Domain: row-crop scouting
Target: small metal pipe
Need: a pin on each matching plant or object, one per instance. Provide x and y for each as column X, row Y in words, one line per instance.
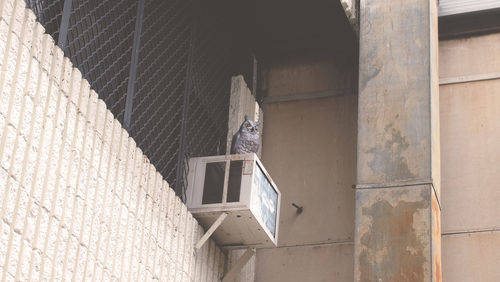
column 254, row 76
column 185, row 114
column 299, row 208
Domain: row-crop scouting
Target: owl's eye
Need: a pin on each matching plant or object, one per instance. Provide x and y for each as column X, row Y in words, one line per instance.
column 247, row 125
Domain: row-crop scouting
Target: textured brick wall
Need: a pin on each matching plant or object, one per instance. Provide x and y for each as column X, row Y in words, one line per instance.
column 78, row 198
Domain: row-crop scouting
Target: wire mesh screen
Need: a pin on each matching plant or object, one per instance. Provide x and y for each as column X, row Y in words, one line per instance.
column 161, row 82
column 99, row 43
column 212, row 63
column 181, row 82
column 48, row 13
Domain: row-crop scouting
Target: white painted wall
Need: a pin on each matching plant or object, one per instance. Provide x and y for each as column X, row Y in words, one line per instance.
column 79, row 200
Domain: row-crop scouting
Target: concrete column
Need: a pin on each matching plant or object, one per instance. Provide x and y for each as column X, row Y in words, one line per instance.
column 242, row 103
column 397, row 229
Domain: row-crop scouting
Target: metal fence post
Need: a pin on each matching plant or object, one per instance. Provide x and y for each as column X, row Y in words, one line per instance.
column 179, row 190
column 133, row 65
column 63, row 30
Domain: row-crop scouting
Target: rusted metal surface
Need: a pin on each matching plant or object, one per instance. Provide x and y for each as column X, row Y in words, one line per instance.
column 393, row 234
column 436, row 240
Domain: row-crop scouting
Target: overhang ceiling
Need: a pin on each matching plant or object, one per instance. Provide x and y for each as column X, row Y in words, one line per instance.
column 275, row 27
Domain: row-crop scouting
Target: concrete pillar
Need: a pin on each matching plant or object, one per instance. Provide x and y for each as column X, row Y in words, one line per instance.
column 397, row 229
column 242, row 103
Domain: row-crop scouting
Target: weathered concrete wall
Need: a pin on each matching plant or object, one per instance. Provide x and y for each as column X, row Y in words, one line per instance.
column 309, row 151
column 79, row 200
column 309, row 148
column 470, row 142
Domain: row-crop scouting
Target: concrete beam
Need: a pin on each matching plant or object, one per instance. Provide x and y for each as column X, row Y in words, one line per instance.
column 397, row 230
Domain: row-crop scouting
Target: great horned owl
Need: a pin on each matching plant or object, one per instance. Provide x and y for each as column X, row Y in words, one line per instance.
column 247, row 139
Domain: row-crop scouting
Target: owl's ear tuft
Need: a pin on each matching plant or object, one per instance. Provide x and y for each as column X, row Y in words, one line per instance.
column 246, row 117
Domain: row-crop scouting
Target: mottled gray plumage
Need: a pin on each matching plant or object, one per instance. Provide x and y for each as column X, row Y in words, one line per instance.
column 247, row 139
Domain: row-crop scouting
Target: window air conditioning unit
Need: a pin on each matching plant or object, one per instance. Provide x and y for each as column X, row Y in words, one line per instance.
column 235, row 194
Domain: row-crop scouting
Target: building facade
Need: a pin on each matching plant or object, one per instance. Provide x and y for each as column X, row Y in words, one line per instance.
column 380, row 121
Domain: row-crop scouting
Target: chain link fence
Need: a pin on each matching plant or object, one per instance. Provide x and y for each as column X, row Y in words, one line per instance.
column 48, row 13
column 156, row 119
column 212, row 60
column 99, row 43
column 174, row 99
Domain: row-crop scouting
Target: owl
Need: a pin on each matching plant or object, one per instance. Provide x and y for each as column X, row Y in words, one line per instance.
column 247, row 139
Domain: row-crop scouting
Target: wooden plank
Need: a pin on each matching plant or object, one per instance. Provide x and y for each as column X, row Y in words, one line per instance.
column 469, row 78
column 308, row 96
column 211, row 230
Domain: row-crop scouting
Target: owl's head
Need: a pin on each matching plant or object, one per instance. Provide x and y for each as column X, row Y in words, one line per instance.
column 250, row 126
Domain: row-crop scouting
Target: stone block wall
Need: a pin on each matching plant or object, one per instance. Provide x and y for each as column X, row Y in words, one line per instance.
column 79, row 200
